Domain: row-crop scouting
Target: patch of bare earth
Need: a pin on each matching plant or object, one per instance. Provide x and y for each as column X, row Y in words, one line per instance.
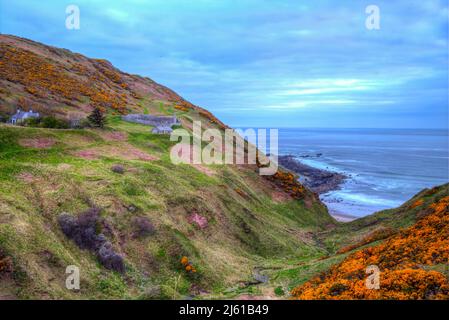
column 280, row 196
column 204, row 169
column 197, row 219
column 77, row 141
column 124, row 151
column 25, row 177
column 88, row 154
column 38, row 143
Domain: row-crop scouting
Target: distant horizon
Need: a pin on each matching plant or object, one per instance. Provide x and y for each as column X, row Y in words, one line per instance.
column 346, row 128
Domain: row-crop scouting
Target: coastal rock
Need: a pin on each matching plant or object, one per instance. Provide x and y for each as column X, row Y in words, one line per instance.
column 317, row 180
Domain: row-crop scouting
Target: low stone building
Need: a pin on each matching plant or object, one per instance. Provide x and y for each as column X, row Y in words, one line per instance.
column 151, row 120
column 162, row 130
column 161, row 124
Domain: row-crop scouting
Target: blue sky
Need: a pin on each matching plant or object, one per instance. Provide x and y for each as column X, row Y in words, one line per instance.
column 267, row 63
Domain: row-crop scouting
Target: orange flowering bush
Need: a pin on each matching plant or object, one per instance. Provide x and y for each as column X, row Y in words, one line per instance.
column 241, row 193
column 289, row 183
column 417, row 203
column 184, row 261
column 187, row 265
column 404, row 260
column 182, row 108
column 42, row 78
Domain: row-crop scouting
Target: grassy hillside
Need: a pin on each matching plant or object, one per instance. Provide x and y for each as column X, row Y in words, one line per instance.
column 112, row 203
column 44, row 172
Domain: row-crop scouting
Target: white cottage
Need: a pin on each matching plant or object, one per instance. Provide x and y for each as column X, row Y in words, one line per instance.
column 20, row 116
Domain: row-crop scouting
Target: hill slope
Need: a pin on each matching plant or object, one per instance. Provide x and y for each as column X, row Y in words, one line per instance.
column 413, row 262
column 57, row 81
column 112, row 203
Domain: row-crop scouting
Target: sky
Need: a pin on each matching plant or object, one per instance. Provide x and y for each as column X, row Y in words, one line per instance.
column 260, row 63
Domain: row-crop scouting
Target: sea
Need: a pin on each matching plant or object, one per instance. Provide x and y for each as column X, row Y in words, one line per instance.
column 386, row 167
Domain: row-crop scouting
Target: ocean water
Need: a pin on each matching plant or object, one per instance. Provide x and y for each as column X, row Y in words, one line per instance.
column 386, row 166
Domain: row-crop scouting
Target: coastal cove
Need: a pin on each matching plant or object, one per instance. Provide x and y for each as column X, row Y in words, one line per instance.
column 360, row 171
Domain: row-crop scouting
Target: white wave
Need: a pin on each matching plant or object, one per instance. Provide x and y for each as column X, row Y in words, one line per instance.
column 361, row 198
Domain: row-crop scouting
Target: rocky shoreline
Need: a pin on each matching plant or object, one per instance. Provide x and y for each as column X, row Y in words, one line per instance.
column 317, row 180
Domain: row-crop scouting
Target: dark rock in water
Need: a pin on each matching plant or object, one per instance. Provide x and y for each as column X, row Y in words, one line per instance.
column 317, row 180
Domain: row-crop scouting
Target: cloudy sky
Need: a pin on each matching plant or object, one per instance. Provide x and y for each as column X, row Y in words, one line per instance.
column 267, row 63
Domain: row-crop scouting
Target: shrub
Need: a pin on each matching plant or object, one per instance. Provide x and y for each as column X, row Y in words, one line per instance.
column 417, row 203
column 143, row 227
column 46, row 122
column 83, row 231
column 118, row 169
column 32, row 122
column 182, row 108
column 406, row 260
column 337, row 289
column 52, row 122
column 187, row 265
column 43, row 78
column 279, row 291
column 6, row 264
column 288, row 182
column 110, row 259
column 97, row 118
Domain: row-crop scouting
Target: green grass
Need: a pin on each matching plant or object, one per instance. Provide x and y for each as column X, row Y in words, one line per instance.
column 39, row 184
